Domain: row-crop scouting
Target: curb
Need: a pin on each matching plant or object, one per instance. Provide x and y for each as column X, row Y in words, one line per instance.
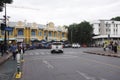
column 111, row 55
column 5, row 58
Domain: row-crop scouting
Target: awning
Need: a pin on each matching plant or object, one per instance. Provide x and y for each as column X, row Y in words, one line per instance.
column 20, row 40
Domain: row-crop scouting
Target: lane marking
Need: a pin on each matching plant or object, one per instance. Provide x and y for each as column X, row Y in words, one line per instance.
column 88, row 77
column 36, row 53
column 48, row 64
column 115, row 66
column 56, row 57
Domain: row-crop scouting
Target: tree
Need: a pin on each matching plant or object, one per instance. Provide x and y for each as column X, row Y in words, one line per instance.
column 116, row 18
column 80, row 33
column 86, row 31
column 2, row 3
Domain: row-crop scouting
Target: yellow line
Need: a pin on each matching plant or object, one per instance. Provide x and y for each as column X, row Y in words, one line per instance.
column 115, row 66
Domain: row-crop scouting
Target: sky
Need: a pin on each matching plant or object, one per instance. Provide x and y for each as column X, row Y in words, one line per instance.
column 62, row 12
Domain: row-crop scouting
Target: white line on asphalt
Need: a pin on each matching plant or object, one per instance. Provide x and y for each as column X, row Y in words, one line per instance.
column 86, row 76
column 48, row 64
column 36, row 53
column 42, row 53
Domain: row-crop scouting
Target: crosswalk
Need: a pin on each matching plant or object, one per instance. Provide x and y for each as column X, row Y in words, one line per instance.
column 36, row 53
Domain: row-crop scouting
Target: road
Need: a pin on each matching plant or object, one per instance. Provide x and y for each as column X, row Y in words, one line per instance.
column 40, row 64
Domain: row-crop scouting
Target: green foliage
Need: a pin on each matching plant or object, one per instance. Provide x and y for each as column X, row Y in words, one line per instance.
column 80, row 33
column 116, row 18
column 2, row 3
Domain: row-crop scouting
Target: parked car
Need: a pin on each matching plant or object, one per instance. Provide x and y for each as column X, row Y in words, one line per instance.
column 67, row 45
column 57, row 47
column 76, row 45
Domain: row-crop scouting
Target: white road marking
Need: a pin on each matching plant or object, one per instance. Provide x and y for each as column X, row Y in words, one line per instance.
column 42, row 53
column 48, row 64
column 36, row 53
column 86, row 76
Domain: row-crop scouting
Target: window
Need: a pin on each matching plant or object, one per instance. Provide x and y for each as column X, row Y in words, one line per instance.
column 99, row 24
column 33, row 33
column 44, row 33
column 63, row 35
column 55, row 35
column 10, row 32
column 58, row 34
column 50, row 33
column 20, row 32
column 40, row 33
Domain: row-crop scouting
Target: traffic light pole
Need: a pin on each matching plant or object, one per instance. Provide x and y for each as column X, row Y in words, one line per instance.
column 5, row 35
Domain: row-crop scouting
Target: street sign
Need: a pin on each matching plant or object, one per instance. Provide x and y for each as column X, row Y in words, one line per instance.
column 8, row 28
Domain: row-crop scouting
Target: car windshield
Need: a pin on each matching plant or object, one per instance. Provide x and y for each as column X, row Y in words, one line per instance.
column 56, row 43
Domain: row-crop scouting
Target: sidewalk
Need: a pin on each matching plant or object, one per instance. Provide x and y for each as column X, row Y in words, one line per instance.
column 104, row 53
column 7, row 67
column 5, row 57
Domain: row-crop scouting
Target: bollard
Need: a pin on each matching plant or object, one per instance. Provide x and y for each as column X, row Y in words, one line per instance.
column 18, row 56
column 22, row 60
column 18, row 75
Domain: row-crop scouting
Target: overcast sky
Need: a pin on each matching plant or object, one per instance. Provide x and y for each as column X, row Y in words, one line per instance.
column 62, row 12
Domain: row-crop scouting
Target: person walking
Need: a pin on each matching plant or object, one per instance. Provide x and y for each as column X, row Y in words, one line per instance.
column 115, row 47
column 104, row 46
column 14, row 50
column 2, row 49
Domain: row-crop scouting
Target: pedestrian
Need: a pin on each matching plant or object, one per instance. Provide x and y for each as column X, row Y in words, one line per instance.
column 2, row 49
column 21, row 48
column 115, row 47
column 14, row 50
column 104, row 46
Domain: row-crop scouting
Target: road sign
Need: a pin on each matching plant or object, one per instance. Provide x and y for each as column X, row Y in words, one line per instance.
column 8, row 28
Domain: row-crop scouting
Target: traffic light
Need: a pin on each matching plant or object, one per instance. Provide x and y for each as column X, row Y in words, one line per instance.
column 2, row 26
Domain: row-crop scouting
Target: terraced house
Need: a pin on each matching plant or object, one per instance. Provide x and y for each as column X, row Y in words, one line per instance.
column 27, row 32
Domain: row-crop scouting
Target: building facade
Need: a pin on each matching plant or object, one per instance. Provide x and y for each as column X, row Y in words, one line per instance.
column 106, row 30
column 27, row 32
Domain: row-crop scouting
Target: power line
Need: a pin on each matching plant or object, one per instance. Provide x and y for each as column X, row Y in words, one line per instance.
column 22, row 7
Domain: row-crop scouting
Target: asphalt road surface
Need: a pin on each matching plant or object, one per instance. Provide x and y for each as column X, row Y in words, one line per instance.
column 73, row 64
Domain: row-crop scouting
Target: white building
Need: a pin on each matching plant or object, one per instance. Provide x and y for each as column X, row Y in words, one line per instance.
column 106, row 30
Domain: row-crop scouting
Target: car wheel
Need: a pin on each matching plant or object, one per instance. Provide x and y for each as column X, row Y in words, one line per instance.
column 52, row 52
column 61, row 51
